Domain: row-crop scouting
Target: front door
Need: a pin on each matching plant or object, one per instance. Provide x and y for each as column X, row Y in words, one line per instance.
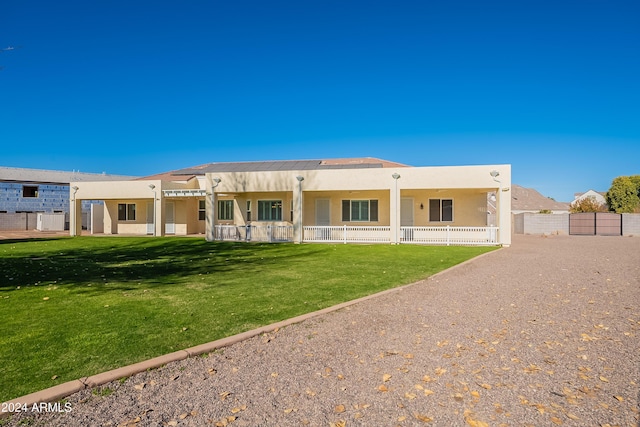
column 150, row 219
column 170, row 223
column 323, row 212
column 406, row 212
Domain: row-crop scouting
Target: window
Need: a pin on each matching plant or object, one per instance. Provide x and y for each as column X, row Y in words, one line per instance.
column 202, row 210
column 225, row 210
column 269, row 210
column 29, row 191
column 126, row 212
column 248, row 210
column 360, row 210
column 440, row 210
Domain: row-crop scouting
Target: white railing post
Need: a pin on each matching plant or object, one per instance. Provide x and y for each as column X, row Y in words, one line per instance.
column 345, row 234
column 269, row 233
column 448, row 234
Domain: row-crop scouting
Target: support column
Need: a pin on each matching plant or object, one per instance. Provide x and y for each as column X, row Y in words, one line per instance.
column 210, row 207
column 297, row 212
column 394, row 213
column 75, row 217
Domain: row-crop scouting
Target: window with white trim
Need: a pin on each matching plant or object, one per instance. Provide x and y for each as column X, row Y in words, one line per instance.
column 440, row 210
column 225, row 210
column 269, row 210
column 248, row 210
column 359, row 210
column 126, row 211
column 202, row 210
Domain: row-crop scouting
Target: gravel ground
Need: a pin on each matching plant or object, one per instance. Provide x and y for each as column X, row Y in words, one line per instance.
column 545, row 332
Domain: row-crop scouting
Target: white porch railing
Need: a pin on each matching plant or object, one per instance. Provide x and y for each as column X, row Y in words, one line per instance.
column 254, row 233
column 347, row 234
column 449, row 235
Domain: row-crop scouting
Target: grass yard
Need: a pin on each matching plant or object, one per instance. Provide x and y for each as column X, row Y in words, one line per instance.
column 74, row 307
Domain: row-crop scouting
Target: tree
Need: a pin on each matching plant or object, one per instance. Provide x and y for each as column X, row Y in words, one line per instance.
column 587, row 204
column 622, row 197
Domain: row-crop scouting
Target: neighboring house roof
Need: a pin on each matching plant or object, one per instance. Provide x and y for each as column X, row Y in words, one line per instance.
column 529, row 200
column 601, row 197
column 42, row 176
column 275, row 165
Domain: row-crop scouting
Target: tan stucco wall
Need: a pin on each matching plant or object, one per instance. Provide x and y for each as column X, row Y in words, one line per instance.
column 335, row 205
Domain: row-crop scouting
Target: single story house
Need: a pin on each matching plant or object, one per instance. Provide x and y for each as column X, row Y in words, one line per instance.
column 363, row 200
column 598, row 197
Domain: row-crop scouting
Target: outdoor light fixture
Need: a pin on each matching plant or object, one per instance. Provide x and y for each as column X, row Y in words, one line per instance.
column 421, row 206
column 151, row 186
column 395, row 175
column 494, row 174
column 300, row 178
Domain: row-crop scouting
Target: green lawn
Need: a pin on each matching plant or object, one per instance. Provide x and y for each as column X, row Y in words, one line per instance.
column 74, row 307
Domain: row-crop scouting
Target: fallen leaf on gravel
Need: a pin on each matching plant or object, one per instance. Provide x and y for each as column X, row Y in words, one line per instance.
column 573, row 417
column 139, row 386
column 339, row 409
column 386, row 377
column 238, row 409
column 402, row 418
column 310, row 392
column 427, row 379
column 408, row 356
column 340, row 423
column 458, row 397
column 289, row 410
column 468, row 418
column 475, row 394
column 410, row 396
column 603, row 379
column 383, row 388
column 440, row 371
column 224, row 395
column 130, row 423
column 172, row 423
column 556, row 420
column 183, row 416
column 422, row 418
column 485, row 386
column 428, row 392
column 212, row 371
column 619, row 398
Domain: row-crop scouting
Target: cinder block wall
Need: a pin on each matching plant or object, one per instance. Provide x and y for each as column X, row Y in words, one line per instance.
column 534, row 223
column 631, row 224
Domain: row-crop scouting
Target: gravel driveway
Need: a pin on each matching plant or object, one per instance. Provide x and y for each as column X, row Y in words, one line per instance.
column 545, row 332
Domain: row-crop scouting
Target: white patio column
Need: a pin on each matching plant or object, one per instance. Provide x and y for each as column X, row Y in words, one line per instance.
column 503, row 211
column 210, row 207
column 394, row 216
column 297, row 212
column 75, row 212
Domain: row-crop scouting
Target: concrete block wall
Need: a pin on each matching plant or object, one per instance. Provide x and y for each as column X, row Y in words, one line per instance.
column 534, row 223
column 18, row 221
column 631, row 224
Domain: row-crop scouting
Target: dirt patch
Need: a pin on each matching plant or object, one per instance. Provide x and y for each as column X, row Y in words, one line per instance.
column 545, row 332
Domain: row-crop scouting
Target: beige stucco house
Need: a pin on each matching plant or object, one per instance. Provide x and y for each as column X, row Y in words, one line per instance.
column 338, row 200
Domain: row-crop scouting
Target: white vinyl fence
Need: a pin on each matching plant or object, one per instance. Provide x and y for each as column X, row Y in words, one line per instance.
column 449, row 235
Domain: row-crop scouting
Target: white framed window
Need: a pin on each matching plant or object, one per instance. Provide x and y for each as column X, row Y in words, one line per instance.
column 248, row 210
column 225, row 210
column 269, row 210
column 202, row 210
column 440, row 210
column 126, row 211
column 359, row 210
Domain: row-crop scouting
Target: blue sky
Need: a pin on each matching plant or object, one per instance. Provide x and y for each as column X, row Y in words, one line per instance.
column 141, row 87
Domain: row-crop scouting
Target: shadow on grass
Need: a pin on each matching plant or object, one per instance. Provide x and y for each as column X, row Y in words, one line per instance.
column 117, row 261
